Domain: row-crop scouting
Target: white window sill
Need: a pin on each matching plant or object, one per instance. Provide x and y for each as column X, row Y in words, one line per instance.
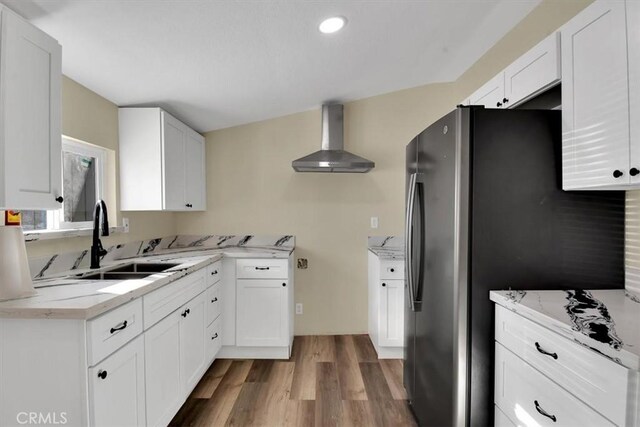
column 36, row 235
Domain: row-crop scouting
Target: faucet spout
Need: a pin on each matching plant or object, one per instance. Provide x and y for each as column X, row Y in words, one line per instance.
column 97, row 251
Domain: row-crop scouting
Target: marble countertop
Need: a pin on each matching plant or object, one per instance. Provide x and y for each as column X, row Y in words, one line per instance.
column 388, row 253
column 63, row 296
column 606, row 321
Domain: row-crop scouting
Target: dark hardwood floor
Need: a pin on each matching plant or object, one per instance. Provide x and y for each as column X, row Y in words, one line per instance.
column 329, row 381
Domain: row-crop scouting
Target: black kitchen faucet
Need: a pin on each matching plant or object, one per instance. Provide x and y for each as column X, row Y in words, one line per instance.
column 97, row 250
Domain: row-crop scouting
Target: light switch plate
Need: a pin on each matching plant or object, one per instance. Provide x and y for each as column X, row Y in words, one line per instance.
column 299, row 308
column 125, row 224
column 374, row 222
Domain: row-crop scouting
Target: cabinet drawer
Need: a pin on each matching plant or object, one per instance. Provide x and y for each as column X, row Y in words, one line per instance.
column 596, row 380
column 392, row 270
column 524, row 394
column 261, row 269
column 163, row 301
column 213, row 303
column 213, row 338
column 214, row 272
column 109, row 332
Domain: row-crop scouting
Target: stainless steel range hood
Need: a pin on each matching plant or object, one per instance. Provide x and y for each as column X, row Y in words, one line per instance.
column 332, row 157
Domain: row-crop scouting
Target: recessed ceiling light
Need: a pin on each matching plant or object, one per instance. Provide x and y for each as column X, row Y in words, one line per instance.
column 331, row 25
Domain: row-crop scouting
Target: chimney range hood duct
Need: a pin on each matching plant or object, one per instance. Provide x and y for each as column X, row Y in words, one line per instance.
column 332, row 157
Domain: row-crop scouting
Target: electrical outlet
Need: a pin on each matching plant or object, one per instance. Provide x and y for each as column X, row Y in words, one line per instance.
column 374, row 222
column 299, row 308
column 125, row 224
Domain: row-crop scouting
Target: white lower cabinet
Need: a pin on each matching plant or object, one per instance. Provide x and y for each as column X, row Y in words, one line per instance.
column 162, row 367
column 543, row 378
column 386, row 306
column 117, row 388
column 262, row 316
column 192, row 342
column 258, row 309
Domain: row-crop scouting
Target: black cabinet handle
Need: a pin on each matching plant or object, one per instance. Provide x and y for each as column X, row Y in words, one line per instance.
column 102, row 374
column 284, row 284
column 505, row 100
column 215, row 299
column 184, row 313
column 392, row 270
column 499, row 104
column 189, row 205
column 59, row 199
column 120, row 327
column 617, row 173
column 384, row 284
column 262, row 268
column 214, row 336
column 213, row 273
column 634, row 171
column 545, row 352
column 543, row 412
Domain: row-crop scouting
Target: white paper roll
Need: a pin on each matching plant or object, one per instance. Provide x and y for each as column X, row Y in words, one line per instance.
column 15, row 278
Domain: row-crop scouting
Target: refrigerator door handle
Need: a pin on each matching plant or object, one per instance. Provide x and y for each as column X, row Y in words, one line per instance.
column 408, row 233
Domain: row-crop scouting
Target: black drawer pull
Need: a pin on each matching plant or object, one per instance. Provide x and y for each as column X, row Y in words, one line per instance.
column 262, row 268
column 543, row 412
column 213, row 273
column 215, row 299
column 545, row 352
column 384, row 284
column 184, row 313
column 392, row 270
column 214, row 336
column 102, row 374
column 120, row 327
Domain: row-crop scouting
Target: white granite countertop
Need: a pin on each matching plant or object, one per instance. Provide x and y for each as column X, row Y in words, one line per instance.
column 606, row 321
column 64, row 296
column 386, row 247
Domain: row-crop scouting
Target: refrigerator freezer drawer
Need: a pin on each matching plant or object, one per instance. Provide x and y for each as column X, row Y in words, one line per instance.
column 597, row 381
column 529, row 397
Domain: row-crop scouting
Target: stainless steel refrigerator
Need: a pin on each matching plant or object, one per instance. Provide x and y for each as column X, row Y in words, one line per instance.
column 485, row 210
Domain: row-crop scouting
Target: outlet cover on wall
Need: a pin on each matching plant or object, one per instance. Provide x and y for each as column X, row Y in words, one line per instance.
column 374, row 222
column 125, row 224
column 299, row 308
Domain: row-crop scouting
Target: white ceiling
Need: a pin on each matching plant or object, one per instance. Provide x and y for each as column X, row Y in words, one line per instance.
column 221, row 63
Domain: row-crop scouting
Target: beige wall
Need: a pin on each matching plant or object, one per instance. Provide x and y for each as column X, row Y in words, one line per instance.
column 252, row 188
column 89, row 117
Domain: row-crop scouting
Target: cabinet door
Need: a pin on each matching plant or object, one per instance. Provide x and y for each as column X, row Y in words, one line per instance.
column 595, row 98
column 173, row 162
column 633, row 28
column 117, row 388
column 491, row 94
column 262, row 313
column 533, row 72
column 165, row 392
column 30, row 73
column 195, row 172
column 192, row 341
column 392, row 313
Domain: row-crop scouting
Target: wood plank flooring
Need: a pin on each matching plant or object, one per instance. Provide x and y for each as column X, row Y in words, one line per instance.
column 329, row 381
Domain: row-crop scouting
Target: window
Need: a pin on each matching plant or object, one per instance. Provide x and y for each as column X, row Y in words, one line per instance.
column 83, row 168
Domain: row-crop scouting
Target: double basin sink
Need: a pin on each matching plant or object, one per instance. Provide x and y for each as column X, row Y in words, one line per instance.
column 130, row 271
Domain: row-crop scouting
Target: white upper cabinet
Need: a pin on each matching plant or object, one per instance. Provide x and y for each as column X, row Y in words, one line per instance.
column 595, row 98
column 633, row 27
column 491, row 94
column 161, row 162
column 532, row 73
column 30, row 137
